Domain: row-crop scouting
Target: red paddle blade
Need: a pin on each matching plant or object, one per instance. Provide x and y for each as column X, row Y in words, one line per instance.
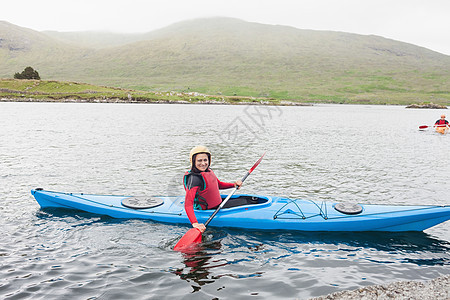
column 257, row 163
column 193, row 236
column 423, row 127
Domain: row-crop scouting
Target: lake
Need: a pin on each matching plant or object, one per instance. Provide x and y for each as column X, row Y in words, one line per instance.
column 344, row 153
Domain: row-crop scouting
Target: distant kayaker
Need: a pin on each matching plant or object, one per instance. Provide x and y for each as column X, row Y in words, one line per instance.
column 202, row 186
column 442, row 122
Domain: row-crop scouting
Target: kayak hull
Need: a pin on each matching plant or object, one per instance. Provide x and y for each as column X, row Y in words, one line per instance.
column 269, row 213
column 442, row 129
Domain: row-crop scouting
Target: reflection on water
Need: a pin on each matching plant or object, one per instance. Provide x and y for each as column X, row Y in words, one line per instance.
column 198, row 262
column 363, row 154
column 303, row 250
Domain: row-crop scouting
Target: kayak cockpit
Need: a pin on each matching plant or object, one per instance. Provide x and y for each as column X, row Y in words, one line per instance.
column 241, row 200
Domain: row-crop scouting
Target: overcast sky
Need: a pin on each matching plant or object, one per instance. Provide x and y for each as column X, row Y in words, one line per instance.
column 424, row 23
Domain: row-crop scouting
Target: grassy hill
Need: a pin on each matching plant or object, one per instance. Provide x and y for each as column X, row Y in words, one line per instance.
column 233, row 57
column 64, row 91
column 94, row 39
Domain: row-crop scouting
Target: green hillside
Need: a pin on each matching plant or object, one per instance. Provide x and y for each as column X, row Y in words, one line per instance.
column 224, row 56
column 63, row 91
column 95, row 40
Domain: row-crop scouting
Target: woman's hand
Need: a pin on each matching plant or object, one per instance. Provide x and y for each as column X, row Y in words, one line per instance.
column 238, row 184
column 199, row 226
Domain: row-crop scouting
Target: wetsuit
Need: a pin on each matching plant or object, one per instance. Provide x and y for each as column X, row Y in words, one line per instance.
column 441, row 123
column 202, row 192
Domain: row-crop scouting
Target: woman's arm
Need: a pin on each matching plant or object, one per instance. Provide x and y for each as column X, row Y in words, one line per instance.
column 189, row 203
column 189, row 207
column 228, row 185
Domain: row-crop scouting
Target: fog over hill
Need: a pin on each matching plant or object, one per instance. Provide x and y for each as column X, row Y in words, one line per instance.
column 231, row 56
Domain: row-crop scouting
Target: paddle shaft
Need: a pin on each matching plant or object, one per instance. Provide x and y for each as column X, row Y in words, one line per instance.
column 194, row 235
column 426, row 126
column 225, row 201
column 234, row 191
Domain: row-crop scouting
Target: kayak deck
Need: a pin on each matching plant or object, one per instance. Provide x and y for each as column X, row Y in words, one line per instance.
column 442, row 129
column 267, row 213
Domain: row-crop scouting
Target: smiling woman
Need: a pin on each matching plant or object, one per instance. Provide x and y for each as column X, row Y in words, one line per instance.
column 202, row 186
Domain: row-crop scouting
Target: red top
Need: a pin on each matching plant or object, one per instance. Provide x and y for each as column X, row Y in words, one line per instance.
column 441, row 122
column 210, row 194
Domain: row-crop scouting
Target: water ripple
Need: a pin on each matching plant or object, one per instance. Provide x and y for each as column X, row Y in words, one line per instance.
column 367, row 154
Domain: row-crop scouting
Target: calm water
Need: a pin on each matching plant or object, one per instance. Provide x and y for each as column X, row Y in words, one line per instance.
column 365, row 154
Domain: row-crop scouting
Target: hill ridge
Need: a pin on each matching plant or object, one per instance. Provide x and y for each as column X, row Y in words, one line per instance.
column 230, row 56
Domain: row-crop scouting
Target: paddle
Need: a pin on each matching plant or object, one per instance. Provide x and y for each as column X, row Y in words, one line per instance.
column 426, row 126
column 194, row 235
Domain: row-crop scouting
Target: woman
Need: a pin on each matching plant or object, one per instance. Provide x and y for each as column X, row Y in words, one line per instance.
column 442, row 122
column 441, row 125
column 202, row 186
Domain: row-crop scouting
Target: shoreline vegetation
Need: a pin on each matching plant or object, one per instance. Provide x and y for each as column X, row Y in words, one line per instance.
column 19, row 90
column 12, row 90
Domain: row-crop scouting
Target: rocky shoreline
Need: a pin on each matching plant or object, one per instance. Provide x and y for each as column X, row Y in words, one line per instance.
column 435, row 289
column 427, row 105
column 166, row 101
column 144, row 101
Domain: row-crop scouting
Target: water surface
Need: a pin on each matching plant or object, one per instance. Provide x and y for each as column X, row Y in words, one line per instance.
column 365, row 154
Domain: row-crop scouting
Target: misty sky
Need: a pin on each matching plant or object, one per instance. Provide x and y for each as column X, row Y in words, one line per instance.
column 424, row 23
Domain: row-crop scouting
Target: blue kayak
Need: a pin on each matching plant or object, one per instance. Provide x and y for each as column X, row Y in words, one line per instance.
column 258, row 212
